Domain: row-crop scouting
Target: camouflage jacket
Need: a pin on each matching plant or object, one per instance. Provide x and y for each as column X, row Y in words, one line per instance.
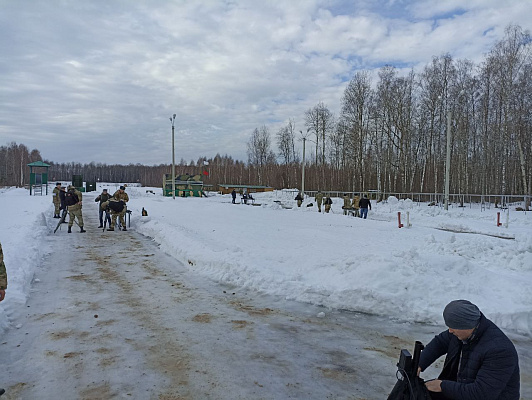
column 121, row 196
column 55, row 195
column 319, row 198
column 356, row 202
column 76, row 206
column 347, row 202
column 102, row 198
column 3, row 274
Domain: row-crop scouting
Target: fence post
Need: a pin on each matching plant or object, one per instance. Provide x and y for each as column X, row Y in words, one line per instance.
column 399, row 219
column 499, row 219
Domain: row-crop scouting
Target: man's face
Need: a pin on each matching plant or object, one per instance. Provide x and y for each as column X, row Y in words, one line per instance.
column 462, row 334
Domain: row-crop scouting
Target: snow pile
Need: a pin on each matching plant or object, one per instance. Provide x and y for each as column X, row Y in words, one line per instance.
column 330, row 259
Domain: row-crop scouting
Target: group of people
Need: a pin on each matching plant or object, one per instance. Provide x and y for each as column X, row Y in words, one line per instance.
column 245, row 197
column 71, row 201
column 114, row 206
column 358, row 206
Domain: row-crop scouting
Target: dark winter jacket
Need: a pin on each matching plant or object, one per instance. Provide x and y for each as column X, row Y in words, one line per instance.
column 489, row 368
column 364, row 203
column 62, row 194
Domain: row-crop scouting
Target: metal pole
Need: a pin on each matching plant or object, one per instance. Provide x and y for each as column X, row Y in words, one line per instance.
column 173, row 159
column 303, row 172
column 448, row 160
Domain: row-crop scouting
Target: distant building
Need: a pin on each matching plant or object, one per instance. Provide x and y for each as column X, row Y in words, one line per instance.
column 226, row 188
column 185, row 185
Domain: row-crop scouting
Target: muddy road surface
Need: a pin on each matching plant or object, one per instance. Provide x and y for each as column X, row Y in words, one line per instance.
column 113, row 317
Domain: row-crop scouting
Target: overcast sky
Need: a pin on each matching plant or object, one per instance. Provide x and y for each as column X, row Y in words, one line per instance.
column 97, row 81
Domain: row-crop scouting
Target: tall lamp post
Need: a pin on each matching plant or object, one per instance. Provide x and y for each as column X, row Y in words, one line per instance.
column 448, row 154
column 303, row 168
column 448, row 160
column 172, row 120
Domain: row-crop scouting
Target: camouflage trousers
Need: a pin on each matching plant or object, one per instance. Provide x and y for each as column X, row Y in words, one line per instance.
column 56, row 208
column 327, row 208
column 121, row 215
column 75, row 214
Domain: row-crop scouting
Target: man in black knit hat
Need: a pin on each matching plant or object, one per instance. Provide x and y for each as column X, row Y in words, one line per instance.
column 481, row 362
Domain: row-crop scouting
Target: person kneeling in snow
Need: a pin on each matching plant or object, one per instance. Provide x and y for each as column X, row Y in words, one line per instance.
column 481, row 361
column 3, row 275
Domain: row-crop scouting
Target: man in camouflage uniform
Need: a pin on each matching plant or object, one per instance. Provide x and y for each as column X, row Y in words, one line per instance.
column 120, row 195
column 56, row 199
column 356, row 205
column 319, row 199
column 74, row 210
column 328, row 202
column 347, row 203
column 102, row 198
column 3, row 275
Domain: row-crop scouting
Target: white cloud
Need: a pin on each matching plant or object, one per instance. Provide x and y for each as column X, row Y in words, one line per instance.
column 79, row 76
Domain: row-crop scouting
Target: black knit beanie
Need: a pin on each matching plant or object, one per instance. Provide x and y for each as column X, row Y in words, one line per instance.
column 461, row 314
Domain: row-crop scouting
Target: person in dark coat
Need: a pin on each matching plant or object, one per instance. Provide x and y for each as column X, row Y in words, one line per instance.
column 233, row 195
column 364, row 203
column 481, row 362
column 62, row 194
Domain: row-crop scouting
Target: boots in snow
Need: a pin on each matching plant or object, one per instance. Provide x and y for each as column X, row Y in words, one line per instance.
column 69, row 229
column 111, row 229
column 82, row 230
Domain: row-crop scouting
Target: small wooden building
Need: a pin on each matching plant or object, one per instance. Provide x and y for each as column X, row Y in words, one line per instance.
column 226, row 188
column 185, row 185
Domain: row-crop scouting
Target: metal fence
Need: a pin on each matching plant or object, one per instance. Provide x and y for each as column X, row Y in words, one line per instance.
column 438, row 199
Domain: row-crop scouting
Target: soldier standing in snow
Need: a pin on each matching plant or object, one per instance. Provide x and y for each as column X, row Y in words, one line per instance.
column 319, row 199
column 73, row 200
column 347, row 203
column 102, row 198
column 56, row 200
column 356, row 205
column 328, row 203
column 3, row 275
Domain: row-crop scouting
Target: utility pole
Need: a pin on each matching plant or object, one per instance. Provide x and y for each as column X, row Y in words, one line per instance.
column 303, row 167
column 448, row 160
column 303, row 171
column 172, row 120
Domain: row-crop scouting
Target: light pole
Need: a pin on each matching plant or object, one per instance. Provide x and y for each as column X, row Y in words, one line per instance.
column 448, row 155
column 303, row 168
column 172, row 120
column 448, row 160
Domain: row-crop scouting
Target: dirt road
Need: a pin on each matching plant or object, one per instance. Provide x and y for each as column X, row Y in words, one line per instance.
column 113, row 317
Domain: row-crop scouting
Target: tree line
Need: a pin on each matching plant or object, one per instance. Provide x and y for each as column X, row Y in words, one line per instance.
column 390, row 135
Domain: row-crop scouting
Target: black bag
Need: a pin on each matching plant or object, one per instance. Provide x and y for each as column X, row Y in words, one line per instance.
column 117, row 206
column 71, row 198
column 406, row 389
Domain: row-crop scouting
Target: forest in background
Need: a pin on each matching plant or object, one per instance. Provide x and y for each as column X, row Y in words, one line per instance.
column 389, row 136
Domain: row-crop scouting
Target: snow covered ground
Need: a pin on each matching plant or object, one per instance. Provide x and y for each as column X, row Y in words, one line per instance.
column 333, row 260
